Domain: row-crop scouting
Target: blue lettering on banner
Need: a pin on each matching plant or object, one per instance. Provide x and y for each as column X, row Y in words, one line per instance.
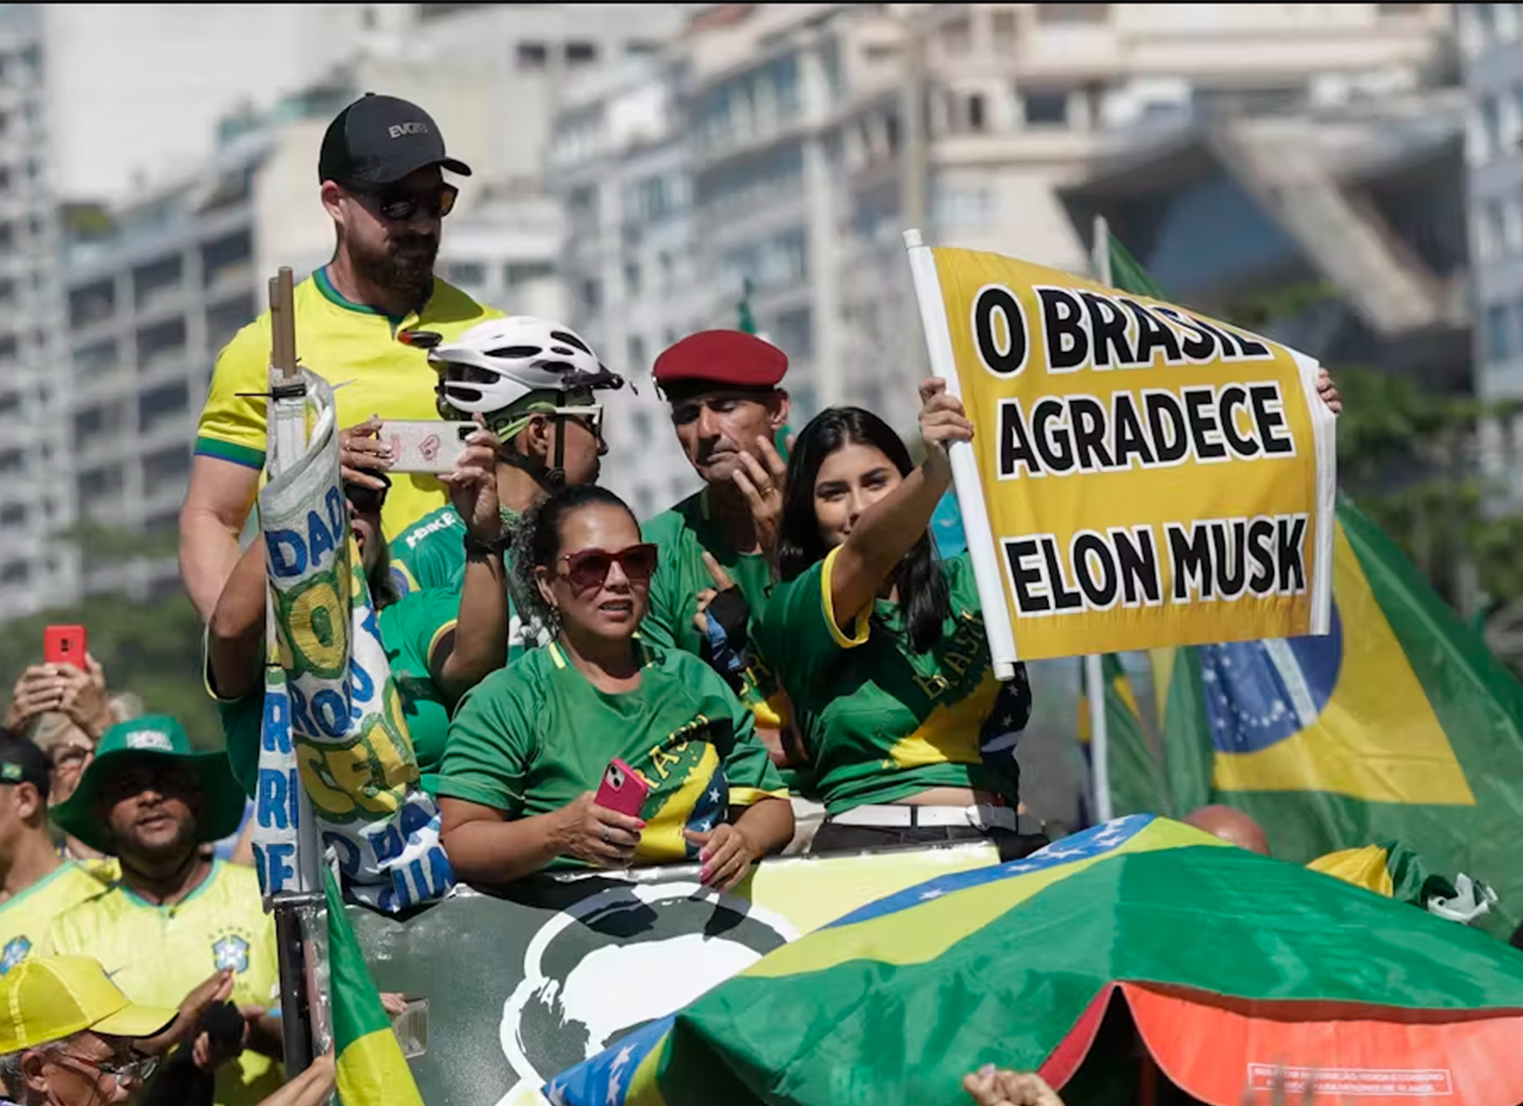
column 288, row 553
column 300, row 723
column 331, row 712
column 274, row 807
column 338, row 510
column 277, row 722
column 319, row 540
column 439, row 868
column 389, row 843
column 276, row 865
column 414, row 818
column 348, row 852
column 369, row 621
column 361, row 686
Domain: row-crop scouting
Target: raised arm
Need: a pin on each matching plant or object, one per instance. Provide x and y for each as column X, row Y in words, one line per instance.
column 216, row 507
column 889, row 528
column 235, row 639
column 479, row 644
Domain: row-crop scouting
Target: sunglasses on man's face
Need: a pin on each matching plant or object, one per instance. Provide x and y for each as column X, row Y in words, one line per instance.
column 399, row 205
column 587, row 569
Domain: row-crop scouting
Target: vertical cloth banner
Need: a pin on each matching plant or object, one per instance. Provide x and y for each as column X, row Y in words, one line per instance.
column 333, row 714
column 1146, row 475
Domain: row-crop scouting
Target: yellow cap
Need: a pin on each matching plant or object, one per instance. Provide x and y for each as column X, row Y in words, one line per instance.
column 49, row 998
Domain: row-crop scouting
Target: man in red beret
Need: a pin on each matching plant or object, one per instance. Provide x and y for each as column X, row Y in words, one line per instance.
column 715, row 568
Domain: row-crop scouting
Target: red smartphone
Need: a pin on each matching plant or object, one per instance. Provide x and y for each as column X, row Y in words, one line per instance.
column 623, row 789
column 64, row 645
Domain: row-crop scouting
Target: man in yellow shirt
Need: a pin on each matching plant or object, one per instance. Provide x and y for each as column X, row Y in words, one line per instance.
column 363, row 321
column 175, row 915
column 38, row 883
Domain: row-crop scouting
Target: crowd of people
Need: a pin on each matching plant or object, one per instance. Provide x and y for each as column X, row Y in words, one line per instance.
column 787, row 635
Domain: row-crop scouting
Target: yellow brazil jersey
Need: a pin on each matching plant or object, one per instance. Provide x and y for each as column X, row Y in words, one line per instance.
column 24, row 917
column 346, row 344
column 158, row 954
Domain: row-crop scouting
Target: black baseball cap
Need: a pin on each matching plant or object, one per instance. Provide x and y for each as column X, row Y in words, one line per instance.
column 21, row 761
column 381, row 139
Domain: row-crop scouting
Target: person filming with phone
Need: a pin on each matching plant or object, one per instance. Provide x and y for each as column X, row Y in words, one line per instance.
column 599, row 749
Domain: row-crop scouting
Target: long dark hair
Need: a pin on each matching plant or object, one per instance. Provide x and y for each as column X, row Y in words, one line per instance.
column 537, row 542
column 923, row 593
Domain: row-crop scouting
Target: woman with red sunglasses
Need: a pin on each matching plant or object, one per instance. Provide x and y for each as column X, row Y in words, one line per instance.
column 529, row 745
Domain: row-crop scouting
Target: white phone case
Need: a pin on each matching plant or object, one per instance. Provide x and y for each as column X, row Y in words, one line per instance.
column 426, row 446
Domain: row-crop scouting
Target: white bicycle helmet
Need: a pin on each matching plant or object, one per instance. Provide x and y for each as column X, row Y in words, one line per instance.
column 496, row 364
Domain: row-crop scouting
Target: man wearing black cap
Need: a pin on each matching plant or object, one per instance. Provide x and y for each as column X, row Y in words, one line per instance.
column 715, row 566
column 381, row 170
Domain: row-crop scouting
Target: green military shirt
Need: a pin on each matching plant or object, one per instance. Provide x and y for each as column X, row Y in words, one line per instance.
column 412, row 628
column 683, row 534
column 881, row 721
column 531, row 738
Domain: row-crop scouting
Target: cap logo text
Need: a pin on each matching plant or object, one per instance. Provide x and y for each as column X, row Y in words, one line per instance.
column 397, row 130
column 149, row 739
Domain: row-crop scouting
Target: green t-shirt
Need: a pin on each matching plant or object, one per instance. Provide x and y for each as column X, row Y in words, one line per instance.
column 881, row 721
column 411, row 629
column 532, row 738
column 431, row 555
column 683, row 534
column 431, row 552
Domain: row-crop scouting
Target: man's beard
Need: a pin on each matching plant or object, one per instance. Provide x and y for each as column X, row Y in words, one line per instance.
column 404, row 265
column 182, row 845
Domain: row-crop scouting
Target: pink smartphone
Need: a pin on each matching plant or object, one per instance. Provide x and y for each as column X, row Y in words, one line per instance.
column 623, row 789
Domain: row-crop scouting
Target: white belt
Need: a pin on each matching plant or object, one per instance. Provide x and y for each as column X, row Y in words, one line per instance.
column 979, row 816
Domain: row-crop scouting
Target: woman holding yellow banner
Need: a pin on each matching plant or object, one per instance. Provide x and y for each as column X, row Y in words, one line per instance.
column 881, row 644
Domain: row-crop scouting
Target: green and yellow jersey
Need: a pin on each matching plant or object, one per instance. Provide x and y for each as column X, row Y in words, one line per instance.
column 683, row 534
column 532, row 738
column 347, row 344
column 158, row 954
column 25, row 916
column 881, row 721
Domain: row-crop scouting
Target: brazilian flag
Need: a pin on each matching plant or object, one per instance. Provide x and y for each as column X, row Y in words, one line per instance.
column 1398, row 725
column 1236, row 970
column 369, row 1065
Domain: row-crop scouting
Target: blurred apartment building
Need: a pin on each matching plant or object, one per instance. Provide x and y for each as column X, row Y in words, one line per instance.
column 155, row 280
column 1491, row 41
column 774, row 141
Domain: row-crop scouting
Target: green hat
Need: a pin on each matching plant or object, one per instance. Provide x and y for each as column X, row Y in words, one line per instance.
column 155, row 735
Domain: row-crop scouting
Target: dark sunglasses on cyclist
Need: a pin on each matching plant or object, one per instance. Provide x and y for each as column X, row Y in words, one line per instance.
column 588, row 568
column 368, row 501
column 399, row 205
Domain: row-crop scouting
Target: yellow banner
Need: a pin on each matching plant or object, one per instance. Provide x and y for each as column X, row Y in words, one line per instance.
column 1151, row 476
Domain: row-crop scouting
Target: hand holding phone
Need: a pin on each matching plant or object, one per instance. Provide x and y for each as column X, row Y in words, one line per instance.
column 623, row 789
column 426, row 446
column 64, row 645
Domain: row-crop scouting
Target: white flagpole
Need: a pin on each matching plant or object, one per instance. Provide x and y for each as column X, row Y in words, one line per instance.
column 1094, row 669
column 965, row 478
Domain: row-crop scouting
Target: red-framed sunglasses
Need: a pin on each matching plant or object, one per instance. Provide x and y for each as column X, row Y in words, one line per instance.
column 588, row 568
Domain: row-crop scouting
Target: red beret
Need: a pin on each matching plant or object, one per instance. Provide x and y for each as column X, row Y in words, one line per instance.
column 722, row 357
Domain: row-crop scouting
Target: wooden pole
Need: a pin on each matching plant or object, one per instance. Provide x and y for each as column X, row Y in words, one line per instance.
column 283, row 323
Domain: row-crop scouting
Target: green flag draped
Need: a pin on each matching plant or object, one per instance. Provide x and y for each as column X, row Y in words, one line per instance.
column 1399, row 724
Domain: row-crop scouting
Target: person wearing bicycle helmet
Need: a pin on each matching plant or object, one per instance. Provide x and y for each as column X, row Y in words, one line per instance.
column 534, row 384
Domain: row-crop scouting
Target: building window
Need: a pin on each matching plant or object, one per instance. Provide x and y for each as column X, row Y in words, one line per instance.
column 668, row 275
column 973, row 112
column 10, row 403
column 532, row 55
column 1491, row 127
column 957, row 37
column 515, row 273
column 794, row 333
column 1045, row 107
column 1491, row 231
column 13, row 514
column 1499, row 333
column 592, row 295
column 640, row 48
column 12, row 460
column 631, row 278
column 640, row 422
column 1002, row 27
column 469, row 273
column 581, row 53
column 162, row 403
column 15, row 572
column 225, row 319
column 9, row 344
column 1072, row 13
column 165, row 465
column 634, row 353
